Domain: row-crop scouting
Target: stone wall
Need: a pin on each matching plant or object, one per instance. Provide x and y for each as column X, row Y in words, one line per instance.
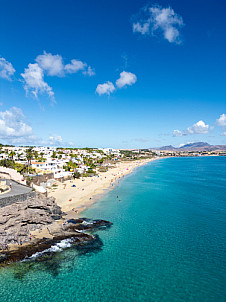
column 5, row 201
column 38, row 179
column 13, row 174
column 4, row 175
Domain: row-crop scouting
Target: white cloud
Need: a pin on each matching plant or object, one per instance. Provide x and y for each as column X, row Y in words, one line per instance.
column 177, row 133
column 126, row 78
column 51, row 64
column 181, row 145
column 15, row 130
column 198, row 128
column 90, row 71
column 223, row 133
column 12, row 124
column 34, row 81
column 163, row 21
column 143, row 29
column 106, row 88
column 221, row 121
column 55, row 140
column 6, row 69
column 75, row 66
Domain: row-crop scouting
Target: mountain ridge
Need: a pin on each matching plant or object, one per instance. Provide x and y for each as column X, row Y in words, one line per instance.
column 197, row 146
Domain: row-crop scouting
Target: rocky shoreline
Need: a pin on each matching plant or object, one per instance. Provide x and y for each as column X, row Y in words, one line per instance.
column 18, row 220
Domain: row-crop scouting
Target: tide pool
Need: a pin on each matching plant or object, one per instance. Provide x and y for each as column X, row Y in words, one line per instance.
column 167, row 242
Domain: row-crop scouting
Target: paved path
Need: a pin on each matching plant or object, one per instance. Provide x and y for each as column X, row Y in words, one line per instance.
column 16, row 189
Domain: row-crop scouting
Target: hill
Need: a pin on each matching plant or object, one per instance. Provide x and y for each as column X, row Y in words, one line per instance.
column 198, row 146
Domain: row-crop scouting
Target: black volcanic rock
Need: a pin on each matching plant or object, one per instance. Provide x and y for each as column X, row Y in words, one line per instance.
column 73, row 229
column 87, row 224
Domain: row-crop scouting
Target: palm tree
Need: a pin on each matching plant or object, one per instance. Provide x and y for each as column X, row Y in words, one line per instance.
column 29, row 155
column 18, row 156
column 11, row 154
column 54, row 155
column 35, row 155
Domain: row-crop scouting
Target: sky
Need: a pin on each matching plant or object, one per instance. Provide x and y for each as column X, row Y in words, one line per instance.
column 121, row 74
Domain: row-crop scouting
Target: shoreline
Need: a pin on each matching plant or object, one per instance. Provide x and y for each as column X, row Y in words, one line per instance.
column 75, row 196
column 74, row 200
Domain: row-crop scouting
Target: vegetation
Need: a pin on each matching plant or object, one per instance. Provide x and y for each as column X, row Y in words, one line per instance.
column 54, row 154
column 103, row 169
column 76, row 174
column 21, row 168
column 70, row 166
column 12, row 154
column 29, row 156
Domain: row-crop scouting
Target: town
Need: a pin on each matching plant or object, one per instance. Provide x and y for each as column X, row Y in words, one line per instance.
column 66, row 163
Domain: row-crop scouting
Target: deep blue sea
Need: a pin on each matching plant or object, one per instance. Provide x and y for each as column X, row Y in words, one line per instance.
column 167, row 242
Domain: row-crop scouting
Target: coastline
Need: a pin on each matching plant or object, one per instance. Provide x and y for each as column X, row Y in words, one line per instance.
column 74, row 200
column 75, row 196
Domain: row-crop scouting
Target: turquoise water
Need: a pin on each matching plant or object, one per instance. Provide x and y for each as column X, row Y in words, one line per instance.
column 168, row 242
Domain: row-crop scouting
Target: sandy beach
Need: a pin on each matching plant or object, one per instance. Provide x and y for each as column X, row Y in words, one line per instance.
column 76, row 195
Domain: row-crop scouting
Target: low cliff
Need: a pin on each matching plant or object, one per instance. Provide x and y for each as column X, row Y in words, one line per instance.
column 18, row 219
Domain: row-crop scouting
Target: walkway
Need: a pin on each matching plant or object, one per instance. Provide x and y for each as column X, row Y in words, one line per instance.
column 16, row 189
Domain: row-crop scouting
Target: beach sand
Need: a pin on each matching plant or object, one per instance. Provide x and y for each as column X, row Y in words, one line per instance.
column 74, row 200
column 89, row 188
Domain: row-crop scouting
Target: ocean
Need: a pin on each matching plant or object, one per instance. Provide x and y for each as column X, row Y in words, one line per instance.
column 167, row 242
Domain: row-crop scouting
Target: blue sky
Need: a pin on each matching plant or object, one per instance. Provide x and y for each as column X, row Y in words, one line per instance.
column 125, row 74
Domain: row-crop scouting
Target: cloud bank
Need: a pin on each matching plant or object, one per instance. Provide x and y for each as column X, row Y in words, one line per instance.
column 12, row 124
column 15, row 130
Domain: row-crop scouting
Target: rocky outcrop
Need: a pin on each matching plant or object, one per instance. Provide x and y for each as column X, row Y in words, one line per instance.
column 67, row 235
column 19, row 219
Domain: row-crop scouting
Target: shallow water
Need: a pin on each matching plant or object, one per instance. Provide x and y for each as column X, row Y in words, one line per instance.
column 167, row 243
